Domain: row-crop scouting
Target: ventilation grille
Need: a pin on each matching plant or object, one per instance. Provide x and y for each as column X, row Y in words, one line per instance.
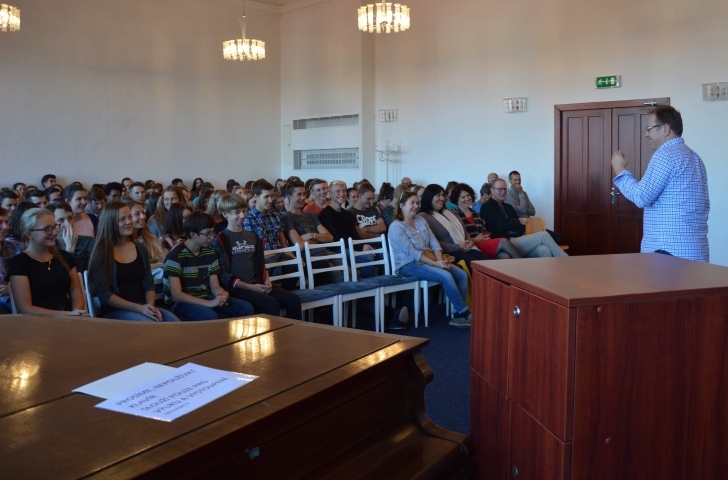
column 326, row 158
column 325, row 122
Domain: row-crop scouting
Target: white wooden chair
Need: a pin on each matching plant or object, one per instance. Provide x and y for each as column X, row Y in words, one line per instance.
column 310, row 297
column 348, row 291
column 387, row 283
column 90, row 305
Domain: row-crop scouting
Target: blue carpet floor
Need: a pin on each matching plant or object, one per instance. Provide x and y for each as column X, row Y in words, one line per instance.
column 447, row 397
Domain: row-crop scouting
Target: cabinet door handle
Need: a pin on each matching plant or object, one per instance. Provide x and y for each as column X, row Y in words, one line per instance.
column 514, row 471
column 516, row 312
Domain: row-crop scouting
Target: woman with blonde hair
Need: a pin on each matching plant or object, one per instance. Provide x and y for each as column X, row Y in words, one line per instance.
column 120, row 274
column 214, row 212
column 172, row 194
column 142, row 234
column 44, row 280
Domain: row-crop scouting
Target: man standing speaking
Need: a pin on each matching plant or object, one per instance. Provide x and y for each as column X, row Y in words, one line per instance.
column 673, row 190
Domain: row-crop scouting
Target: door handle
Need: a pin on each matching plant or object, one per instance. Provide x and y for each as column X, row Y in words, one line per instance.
column 614, row 194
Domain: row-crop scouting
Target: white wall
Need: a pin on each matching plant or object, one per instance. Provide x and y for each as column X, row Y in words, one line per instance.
column 96, row 90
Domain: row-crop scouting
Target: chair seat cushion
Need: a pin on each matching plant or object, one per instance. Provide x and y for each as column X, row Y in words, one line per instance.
column 312, row 295
column 388, row 280
column 343, row 288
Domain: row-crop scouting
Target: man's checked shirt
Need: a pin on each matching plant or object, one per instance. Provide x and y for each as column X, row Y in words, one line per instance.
column 266, row 225
column 674, row 194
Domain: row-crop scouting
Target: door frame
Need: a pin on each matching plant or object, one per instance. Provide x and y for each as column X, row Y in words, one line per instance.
column 558, row 110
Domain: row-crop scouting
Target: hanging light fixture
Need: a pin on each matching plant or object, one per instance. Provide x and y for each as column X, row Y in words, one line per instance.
column 9, row 18
column 384, row 17
column 243, row 48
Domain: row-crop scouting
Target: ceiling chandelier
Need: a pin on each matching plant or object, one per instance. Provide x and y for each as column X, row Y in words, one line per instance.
column 384, row 17
column 243, row 48
column 9, row 18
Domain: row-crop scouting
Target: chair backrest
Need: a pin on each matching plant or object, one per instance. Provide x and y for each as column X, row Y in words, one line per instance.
column 297, row 262
column 535, row 225
column 13, row 308
column 310, row 258
column 391, row 257
column 381, row 252
column 83, row 278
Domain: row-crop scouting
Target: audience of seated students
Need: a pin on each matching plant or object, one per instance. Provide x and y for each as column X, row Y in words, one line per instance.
column 242, row 264
column 44, row 280
column 172, row 194
column 120, row 275
column 462, row 195
column 384, row 202
column 37, row 197
column 191, row 283
column 77, row 197
column 319, row 195
column 79, row 246
column 127, row 182
column 137, row 192
column 196, row 185
column 8, row 201
column 211, row 210
column 447, row 228
column 484, row 196
column 352, row 195
column 143, row 235
column 370, row 223
column 411, row 238
column 518, row 199
column 7, row 251
column 503, row 222
column 21, row 189
column 174, row 225
column 53, row 193
column 48, row 180
column 96, row 202
column 112, row 190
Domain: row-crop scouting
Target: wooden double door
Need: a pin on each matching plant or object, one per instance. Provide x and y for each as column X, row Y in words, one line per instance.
column 591, row 215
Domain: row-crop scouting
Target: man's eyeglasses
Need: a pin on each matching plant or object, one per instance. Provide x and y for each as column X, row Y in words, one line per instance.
column 207, row 234
column 647, row 129
column 47, row 230
column 499, row 189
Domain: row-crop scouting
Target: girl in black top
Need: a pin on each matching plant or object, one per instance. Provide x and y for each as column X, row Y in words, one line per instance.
column 44, row 280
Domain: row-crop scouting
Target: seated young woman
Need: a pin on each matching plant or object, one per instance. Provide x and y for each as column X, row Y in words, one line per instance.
column 171, row 195
column 174, row 226
column 462, row 196
column 447, row 228
column 411, row 238
column 143, row 235
column 213, row 211
column 119, row 271
column 14, row 236
column 43, row 279
column 77, row 197
column 242, row 265
column 196, row 184
column 80, row 246
column 384, row 203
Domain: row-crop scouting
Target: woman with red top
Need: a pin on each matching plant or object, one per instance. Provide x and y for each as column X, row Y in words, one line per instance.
column 462, row 195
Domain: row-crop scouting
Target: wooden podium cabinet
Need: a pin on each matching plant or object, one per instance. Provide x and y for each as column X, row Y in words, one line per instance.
column 600, row 367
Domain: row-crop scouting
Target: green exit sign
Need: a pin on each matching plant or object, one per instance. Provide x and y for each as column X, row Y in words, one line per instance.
column 611, row 81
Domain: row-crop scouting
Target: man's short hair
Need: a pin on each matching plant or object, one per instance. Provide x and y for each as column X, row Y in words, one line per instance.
column 198, row 221
column 366, row 188
column 34, row 193
column 485, row 189
column 59, row 206
column 230, row 202
column 259, row 186
column 125, row 179
column 137, row 184
column 8, row 194
column 55, row 188
column 175, row 181
column 514, row 172
column 668, row 115
column 349, row 190
column 337, row 182
column 289, row 187
column 15, row 185
column 318, row 181
column 112, row 186
column 46, row 177
column 96, row 194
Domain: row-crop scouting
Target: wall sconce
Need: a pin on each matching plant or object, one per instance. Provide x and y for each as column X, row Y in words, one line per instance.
column 388, row 115
column 9, row 18
column 514, row 105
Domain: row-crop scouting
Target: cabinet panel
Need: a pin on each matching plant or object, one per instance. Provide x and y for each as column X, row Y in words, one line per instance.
column 541, row 360
column 651, row 389
column 535, row 452
column 490, row 424
column 489, row 345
